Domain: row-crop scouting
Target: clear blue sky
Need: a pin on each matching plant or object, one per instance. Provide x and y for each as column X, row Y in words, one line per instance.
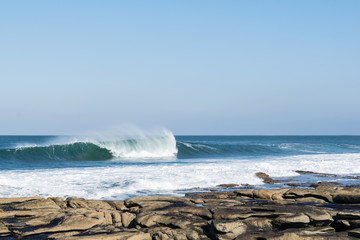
column 194, row 67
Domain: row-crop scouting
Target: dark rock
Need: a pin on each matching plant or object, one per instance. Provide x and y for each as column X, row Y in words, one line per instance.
column 230, row 185
column 355, row 233
column 314, row 173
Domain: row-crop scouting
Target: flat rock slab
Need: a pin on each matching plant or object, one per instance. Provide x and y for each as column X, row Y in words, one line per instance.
column 242, row 214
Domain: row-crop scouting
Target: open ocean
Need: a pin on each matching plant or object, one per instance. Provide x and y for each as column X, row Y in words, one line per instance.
column 146, row 164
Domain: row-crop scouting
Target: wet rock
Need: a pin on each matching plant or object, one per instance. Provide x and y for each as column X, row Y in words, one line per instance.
column 354, row 223
column 266, row 178
column 230, row 185
column 354, row 233
column 348, row 215
column 347, row 197
column 315, row 173
column 325, row 184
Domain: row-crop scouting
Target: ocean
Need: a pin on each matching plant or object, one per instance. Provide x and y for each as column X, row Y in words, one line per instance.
column 118, row 167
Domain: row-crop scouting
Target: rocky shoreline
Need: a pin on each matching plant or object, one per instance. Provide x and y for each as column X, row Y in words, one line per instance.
column 318, row 212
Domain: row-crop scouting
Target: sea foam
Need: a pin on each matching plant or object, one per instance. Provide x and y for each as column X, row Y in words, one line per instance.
column 175, row 178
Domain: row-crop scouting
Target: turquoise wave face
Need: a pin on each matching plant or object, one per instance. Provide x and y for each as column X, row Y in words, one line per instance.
column 18, row 152
column 81, row 151
column 260, row 146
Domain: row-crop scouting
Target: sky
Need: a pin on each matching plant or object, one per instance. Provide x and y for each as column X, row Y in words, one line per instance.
column 194, row 67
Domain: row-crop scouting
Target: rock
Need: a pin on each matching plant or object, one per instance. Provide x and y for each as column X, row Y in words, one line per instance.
column 153, row 219
column 247, row 193
column 131, row 235
column 99, row 205
column 270, row 194
column 197, row 211
column 348, row 215
column 354, row 233
column 278, row 194
column 76, row 202
column 232, row 214
column 342, row 224
column 154, row 202
column 294, row 221
column 70, row 223
column 227, row 226
column 44, row 220
column 108, row 218
column 318, row 231
column 319, row 217
column 37, row 204
column 346, row 197
column 230, row 185
column 63, row 235
column 354, row 223
column 118, row 205
column 26, row 213
column 314, row 173
column 265, row 177
column 301, row 193
column 127, row 218
column 288, row 236
column 309, row 200
column 59, row 201
column 228, row 230
column 116, row 219
column 4, row 230
column 18, row 200
column 260, row 224
column 164, row 233
column 325, row 184
column 240, row 214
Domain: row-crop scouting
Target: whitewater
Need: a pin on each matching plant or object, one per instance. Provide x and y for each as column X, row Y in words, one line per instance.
column 155, row 163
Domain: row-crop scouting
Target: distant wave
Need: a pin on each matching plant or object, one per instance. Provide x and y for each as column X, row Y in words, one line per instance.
column 194, row 150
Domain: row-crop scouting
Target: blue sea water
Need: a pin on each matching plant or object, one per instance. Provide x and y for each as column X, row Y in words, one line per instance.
column 116, row 167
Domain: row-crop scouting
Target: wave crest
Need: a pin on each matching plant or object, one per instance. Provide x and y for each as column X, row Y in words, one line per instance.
column 161, row 145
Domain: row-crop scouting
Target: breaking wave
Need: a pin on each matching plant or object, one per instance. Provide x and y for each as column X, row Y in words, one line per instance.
column 93, row 149
column 161, row 145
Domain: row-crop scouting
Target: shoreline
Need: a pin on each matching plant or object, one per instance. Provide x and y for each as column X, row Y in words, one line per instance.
column 318, row 212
